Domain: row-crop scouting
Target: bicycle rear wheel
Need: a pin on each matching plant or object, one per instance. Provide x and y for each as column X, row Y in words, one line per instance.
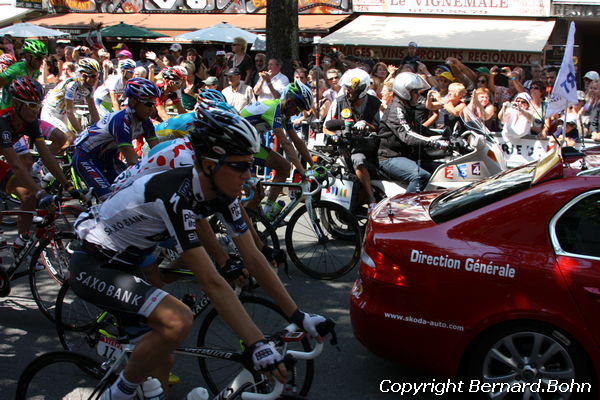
column 215, row 334
column 80, row 324
column 62, row 375
column 48, row 269
column 331, row 254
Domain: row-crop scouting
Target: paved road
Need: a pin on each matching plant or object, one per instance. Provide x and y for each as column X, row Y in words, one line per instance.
column 352, row 373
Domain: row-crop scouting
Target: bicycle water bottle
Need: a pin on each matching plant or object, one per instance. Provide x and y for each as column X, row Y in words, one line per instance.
column 153, row 390
column 198, row 393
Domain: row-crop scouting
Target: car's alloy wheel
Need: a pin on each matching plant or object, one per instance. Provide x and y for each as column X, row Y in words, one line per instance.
column 531, row 362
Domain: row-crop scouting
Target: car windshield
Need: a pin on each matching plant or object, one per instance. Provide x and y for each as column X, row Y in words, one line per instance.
column 481, row 193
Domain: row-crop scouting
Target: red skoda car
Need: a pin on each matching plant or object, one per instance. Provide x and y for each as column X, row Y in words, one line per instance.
column 498, row 281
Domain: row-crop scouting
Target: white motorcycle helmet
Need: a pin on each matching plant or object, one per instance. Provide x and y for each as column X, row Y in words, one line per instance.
column 405, row 82
column 355, row 82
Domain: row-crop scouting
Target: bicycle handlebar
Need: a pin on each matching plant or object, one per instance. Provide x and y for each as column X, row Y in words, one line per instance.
column 278, row 388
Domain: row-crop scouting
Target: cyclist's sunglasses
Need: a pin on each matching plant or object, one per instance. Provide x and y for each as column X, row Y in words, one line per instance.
column 31, row 105
column 147, row 103
column 239, row 166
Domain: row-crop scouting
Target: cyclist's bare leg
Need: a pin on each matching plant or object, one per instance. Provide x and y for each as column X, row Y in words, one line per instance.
column 171, row 322
column 28, row 202
column 282, row 171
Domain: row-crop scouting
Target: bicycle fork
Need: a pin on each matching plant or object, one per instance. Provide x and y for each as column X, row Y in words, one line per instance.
column 315, row 222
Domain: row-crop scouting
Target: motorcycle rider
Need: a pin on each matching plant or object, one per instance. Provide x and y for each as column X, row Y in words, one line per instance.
column 403, row 139
column 356, row 104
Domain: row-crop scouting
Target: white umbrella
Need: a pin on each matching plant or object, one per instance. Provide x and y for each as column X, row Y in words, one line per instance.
column 26, row 29
column 222, row 33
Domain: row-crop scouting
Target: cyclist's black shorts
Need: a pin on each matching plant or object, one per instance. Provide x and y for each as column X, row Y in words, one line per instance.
column 115, row 287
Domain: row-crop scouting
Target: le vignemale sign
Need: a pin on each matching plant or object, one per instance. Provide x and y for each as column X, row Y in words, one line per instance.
column 530, row 8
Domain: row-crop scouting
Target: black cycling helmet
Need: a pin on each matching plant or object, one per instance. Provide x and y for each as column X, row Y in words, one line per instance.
column 218, row 134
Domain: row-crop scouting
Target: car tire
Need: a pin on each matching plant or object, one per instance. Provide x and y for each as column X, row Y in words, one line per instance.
column 507, row 354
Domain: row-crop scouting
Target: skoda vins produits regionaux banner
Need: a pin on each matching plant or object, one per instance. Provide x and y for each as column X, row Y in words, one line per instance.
column 192, row 6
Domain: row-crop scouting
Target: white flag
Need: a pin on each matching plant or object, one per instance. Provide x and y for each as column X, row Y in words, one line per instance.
column 564, row 92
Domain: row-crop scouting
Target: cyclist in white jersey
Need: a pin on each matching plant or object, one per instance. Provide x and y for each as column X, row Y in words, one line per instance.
column 118, row 233
column 59, row 105
column 109, row 96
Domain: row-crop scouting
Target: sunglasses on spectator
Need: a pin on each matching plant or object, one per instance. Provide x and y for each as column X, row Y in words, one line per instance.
column 482, row 81
column 521, row 101
column 536, row 88
column 332, row 78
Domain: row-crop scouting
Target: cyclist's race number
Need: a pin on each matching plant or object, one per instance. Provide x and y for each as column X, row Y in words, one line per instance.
column 109, row 348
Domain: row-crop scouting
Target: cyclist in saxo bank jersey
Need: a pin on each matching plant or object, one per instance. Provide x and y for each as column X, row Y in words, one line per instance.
column 273, row 115
column 179, row 153
column 96, row 156
column 119, row 233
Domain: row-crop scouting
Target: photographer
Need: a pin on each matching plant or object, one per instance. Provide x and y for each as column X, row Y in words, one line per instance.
column 356, row 104
column 516, row 117
column 502, row 93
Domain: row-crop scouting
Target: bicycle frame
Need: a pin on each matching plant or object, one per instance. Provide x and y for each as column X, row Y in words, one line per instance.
column 244, row 380
column 306, row 196
column 45, row 229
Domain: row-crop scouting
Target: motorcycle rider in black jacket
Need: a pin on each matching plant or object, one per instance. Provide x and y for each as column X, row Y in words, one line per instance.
column 404, row 140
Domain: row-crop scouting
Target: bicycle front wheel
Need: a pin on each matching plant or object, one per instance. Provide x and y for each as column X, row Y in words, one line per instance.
column 62, row 375
column 216, row 334
column 263, row 227
column 48, row 269
column 326, row 245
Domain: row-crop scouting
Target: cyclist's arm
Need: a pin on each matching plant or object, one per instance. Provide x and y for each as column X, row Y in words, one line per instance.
column 300, row 146
column 70, row 111
column 288, row 148
column 114, row 98
column 129, row 154
column 162, row 112
column 259, row 267
column 221, row 295
column 94, row 115
column 210, row 242
column 50, row 162
column 18, row 169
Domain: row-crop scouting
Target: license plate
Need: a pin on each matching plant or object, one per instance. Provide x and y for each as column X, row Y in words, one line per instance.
column 109, row 348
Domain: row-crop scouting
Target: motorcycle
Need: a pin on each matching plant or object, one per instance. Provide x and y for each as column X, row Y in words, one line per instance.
column 462, row 158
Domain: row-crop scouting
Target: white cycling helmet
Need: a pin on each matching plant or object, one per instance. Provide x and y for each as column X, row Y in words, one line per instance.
column 407, row 81
column 126, row 64
column 357, row 80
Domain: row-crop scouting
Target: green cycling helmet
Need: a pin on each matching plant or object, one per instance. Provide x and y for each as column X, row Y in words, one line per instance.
column 34, row 47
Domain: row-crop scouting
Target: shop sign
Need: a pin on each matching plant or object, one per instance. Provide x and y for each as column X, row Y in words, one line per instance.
column 193, row 6
column 488, row 57
column 34, row 4
column 531, row 8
